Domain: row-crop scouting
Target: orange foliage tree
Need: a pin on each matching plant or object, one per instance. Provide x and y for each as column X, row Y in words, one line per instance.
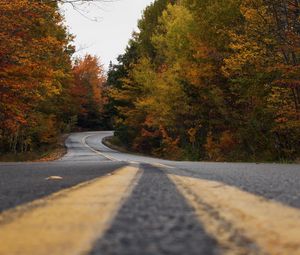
column 34, row 68
column 89, row 92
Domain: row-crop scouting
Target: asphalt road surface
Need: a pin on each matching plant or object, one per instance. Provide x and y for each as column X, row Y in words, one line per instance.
column 96, row 200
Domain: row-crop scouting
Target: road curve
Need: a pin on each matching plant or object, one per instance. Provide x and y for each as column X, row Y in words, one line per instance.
column 96, row 200
column 280, row 182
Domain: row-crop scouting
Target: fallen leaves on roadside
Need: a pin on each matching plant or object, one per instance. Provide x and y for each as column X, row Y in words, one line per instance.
column 54, row 178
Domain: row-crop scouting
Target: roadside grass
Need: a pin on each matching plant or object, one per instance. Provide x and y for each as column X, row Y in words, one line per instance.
column 114, row 143
column 44, row 153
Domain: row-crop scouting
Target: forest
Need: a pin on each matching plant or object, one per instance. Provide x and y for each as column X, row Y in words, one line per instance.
column 44, row 92
column 214, row 80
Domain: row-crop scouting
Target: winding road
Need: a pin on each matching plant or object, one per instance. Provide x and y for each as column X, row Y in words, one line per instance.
column 96, row 200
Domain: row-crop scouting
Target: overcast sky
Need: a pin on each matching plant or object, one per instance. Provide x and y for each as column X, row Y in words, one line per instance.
column 108, row 37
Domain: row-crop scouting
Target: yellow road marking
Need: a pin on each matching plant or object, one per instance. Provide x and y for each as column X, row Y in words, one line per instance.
column 69, row 221
column 83, row 141
column 274, row 227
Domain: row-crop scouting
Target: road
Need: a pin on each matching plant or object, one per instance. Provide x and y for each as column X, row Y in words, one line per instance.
column 99, row 201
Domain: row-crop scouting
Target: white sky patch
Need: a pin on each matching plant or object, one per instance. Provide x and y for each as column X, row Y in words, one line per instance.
column 107, row 37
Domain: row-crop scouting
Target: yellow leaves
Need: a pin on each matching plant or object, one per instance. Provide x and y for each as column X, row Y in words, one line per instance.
column 245, row 52
column 255, row 45
column 256, row 12
column 177, row 25
column 156, row 93
column 144, row 74
column 177, row 41
column 280, row 101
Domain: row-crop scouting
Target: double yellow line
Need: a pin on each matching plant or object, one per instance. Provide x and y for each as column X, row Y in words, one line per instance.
column 241, row 222
column 67, row 222
column 70, row 221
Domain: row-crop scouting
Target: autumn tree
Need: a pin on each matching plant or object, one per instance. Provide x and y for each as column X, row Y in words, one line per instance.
column 211, row 80
column 175, row 90
column 35, row 67
column 89, row 92
column 124, row 92
column 264, row 67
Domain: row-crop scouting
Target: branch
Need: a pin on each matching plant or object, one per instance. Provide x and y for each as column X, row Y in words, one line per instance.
column 79, row 6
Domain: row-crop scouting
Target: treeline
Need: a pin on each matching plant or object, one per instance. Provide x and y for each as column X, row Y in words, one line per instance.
column 211, row 79
column 42, row 92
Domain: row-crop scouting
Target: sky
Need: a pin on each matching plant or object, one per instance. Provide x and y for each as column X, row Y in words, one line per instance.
column 108, row 36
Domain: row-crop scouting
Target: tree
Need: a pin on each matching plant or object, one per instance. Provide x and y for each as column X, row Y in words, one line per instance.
column 214, row 80
column 34, row 67
column 88, row 92
column 266, row 56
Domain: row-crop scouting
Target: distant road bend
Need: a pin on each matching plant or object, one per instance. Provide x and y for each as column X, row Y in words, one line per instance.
column 99, row 201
